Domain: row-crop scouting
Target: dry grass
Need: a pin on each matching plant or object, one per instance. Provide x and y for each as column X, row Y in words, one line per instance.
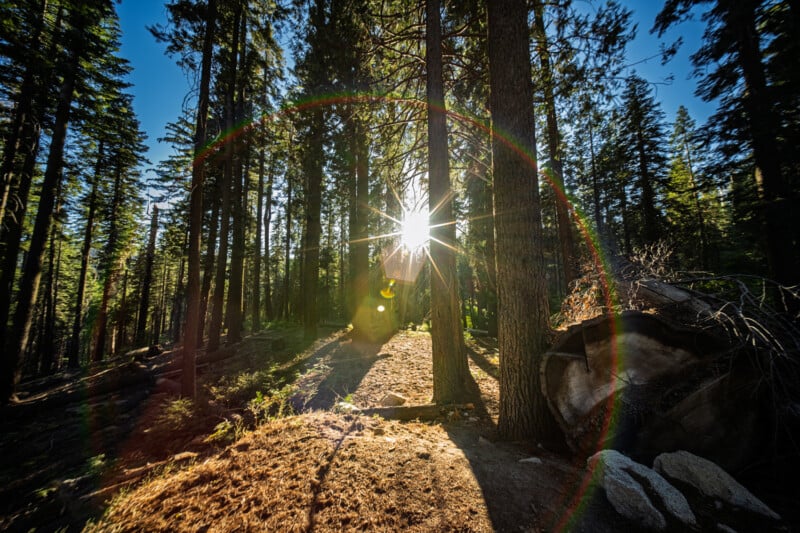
column 318, row 471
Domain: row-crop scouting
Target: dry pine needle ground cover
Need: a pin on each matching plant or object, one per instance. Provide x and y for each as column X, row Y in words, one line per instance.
column 320, row 470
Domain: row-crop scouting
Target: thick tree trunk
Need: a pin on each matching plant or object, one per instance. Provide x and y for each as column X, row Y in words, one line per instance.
column 450, row 371
column 522, row 294
column 191, row 331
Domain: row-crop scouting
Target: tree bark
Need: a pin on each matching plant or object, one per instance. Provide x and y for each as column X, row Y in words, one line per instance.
column 218, row 297
column 313, row 226
column 358, row 244
column 190, row 333
column 110, row 274
column 522, row 294
column 267, row 223
column 74, row 343
column 147, row 281
column 450, row 371
column 233, row 311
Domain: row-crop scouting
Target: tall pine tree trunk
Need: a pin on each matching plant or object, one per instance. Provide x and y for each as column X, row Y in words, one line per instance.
column 359, row 209
column 233, row 312
column 208, row 262
column 313, row 226
column 190, row 333
column 256, row 286
column 287, row 251
column 110, row 274
column 450, row 371
column 522, row 294
column 147, row 280
column 73, row 350
column 267, row 222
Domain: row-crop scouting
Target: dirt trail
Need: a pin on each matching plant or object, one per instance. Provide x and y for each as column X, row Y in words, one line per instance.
column 327, row 471
column 266, row 450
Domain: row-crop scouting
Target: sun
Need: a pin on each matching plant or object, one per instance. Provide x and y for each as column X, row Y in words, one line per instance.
column 414, row 230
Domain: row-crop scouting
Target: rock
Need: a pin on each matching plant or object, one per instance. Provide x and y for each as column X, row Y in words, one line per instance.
column 531, row 460
column 710, row 480
column 347, row 408
column 638, row 493
column 393, row 399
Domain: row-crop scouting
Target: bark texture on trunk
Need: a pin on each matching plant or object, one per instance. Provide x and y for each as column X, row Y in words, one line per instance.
column 450, row 372
column 522, row 293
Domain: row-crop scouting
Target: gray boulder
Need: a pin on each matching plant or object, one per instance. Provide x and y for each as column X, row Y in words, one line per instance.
column 710, row 480
column 639, row 493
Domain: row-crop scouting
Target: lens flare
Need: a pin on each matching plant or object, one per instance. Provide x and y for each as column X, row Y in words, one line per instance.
column 415, row 231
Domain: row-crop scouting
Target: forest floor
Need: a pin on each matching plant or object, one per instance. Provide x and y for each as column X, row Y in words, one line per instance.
column 268, row 447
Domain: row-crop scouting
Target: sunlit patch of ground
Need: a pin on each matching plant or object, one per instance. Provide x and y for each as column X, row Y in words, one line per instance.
column 318, row 471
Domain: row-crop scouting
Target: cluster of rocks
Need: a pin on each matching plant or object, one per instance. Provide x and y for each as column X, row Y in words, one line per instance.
column 681, row 492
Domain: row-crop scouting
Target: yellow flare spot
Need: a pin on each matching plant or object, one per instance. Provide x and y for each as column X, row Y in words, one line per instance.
column 387, row 293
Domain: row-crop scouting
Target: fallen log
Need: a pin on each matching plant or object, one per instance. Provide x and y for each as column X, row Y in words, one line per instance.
column 413, row 412
column 108, row 381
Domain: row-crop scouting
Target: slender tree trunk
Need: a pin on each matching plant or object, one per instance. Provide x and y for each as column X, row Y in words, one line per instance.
column 176, row 317
column 234, row 309
column 598, row 210
column 218, row 298
column 267, row 223
column 147, row 281
column 450, row 372
column 46, row 346
column 313, row 226
column 208, row 263
column 122, row 312
column 191, row 331
column 287, row 251
column 73, row 350
column 359, row 211
column 565, row 235
column 32, row 271
column 522, row 294
column 256, row 285
column 101, row 322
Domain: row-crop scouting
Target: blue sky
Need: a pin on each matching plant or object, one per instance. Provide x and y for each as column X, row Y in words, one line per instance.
column 160, row 87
